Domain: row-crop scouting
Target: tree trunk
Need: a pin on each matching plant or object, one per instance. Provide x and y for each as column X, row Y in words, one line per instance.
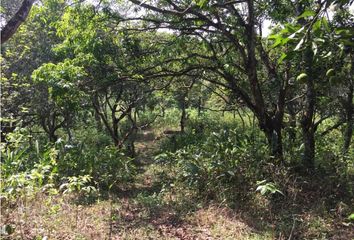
column 277, row 149
column 131, row 149
column 349, row 108
column 70, row 136
column 183, row 116
column 292, row 123
column 98, row 122
column 199, row 106
column 307, row 123
column 308, row 136
column 52, row 137
column 271, row 125
column 133, row 135
column 307, row 120
column 273, row 133
column 115, row 133
column 49, row 125
column 15, row 22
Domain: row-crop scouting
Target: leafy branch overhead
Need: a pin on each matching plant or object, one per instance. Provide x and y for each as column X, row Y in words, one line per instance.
column 120, row 119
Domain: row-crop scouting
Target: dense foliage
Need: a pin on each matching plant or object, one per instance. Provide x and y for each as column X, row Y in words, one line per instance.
column 247, row 100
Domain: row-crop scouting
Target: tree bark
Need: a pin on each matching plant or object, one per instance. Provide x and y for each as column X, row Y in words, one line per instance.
column 52, row 137
column 96, row 115
column 110, row 128
column 133, row 135
column 271, row 125
column 307, row 123
column 183, row 115
column 15, row 22
column 292, row 123
column 349, row 108
column 200, row 106
column 273, row 132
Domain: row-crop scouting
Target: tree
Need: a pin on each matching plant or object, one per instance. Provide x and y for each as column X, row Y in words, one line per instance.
column 310, row 41
column 113, row 62
column 227, row 32
column 30, row 47
column 58, row 98
column 224, row 38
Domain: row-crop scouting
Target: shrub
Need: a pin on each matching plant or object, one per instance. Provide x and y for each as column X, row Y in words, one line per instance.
column 26, row 171
column 228, row 163
column 106, row 165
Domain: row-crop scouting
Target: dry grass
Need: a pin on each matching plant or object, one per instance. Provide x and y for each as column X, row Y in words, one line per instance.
column 223, row 223
column 57, row 218
column 61, row 218
column 144, row 211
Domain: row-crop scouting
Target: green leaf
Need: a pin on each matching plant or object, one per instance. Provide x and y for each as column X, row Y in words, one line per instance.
column 261, row 182
column 307, row 13
column 325, row 24
column 330, row 72
column 302, row 77
column 314, row 48
column 37, row 147
column 201, row 3
column 282, row 57
column 273, row 36
column 7, row 230
column 348, row 42
column 319, row 40
column 328, row 54
column 317, row 25
column 298, row 31
column 278, row 41
column 299, row 45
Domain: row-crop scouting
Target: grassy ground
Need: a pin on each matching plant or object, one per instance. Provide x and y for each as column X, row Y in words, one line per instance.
column 149, row 209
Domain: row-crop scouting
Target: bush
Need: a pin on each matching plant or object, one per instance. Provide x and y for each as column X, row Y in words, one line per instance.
column 30, row 168
column 106, row 165
column 227, row 163
column 26, row 170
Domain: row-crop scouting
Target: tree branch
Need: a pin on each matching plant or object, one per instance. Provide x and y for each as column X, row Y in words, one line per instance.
column 14, row 23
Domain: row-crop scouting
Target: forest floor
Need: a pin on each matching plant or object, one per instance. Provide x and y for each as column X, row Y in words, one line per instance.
column 144, row 211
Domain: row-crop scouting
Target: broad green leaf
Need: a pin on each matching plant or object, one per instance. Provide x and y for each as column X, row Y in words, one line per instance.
column 201, row 3
column 273, row 36
column 314, row 48
column 330, row 72
column 299, row 45
column 307, row 13
column 295, row 33
column 325, row 24
column 347, row 42
column 319, row 40
column 317, row 25
column 282, row 57
column 328, row 54
column 302, row 77
column 277, row 42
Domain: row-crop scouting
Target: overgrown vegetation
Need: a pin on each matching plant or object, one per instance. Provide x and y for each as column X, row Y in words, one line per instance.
column 178, row 120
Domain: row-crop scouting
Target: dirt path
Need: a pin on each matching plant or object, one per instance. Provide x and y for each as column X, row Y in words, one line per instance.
column 149, row 208
column 147, row 212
